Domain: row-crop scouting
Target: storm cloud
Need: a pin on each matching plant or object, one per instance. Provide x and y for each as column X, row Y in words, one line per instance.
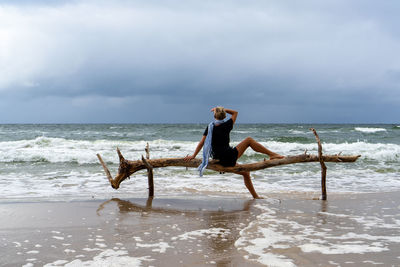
column 171, row 61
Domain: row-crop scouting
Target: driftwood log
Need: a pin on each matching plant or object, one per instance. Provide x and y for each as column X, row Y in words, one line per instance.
column 129, row 167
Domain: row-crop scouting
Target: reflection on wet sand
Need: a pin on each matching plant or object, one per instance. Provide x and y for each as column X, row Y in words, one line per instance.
column 206, row 229
column 180, row 205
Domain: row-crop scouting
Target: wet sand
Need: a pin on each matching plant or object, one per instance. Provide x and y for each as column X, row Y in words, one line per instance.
column 283, row 230
column 162, row 232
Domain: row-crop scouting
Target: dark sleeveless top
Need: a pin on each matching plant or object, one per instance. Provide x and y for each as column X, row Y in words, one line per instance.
column 221, row 149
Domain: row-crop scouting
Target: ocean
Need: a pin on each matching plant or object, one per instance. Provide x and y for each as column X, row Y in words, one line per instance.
column 58, row 161
column 57, row 207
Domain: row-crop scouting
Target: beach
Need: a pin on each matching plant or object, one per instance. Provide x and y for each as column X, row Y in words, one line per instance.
column 281, row 230
column 206, row 104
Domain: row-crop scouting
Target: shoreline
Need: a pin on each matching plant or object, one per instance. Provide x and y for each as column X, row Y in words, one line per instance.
column 284, row 230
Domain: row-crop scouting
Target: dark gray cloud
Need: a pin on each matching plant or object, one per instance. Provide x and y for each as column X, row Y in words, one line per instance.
column 93, row 61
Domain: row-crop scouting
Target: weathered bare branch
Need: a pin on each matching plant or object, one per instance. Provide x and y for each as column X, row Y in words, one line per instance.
column 108, row 174
column 323, row 166
column 147, row 149
column 130, row 167
column 149, row 176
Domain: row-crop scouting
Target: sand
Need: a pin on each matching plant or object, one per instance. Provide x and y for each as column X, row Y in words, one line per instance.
column 283, row 230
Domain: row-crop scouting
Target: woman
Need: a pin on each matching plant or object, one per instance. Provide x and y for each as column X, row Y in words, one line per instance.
column 217, row 145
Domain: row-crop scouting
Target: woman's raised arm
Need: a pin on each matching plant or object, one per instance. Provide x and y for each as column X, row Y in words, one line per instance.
column 233, row 113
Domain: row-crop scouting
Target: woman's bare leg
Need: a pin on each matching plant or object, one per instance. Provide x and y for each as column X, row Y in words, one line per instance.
column 250, row 142
column 249, row 184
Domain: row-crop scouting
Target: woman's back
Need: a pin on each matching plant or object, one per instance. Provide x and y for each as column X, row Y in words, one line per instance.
column 220, row 143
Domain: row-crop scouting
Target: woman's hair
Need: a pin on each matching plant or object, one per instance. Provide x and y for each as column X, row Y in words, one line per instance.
column 220, row 113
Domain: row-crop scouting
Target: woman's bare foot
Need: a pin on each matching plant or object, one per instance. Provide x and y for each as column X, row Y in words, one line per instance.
column 276, row 156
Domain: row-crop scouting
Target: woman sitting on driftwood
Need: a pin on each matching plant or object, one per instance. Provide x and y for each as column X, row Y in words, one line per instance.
column 216, row 144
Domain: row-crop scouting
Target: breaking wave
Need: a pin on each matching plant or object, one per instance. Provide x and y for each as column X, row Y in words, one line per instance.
column 370, row 130
column 56, row 150
column 62, row 164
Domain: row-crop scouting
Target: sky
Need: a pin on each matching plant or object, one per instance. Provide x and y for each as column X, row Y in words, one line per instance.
column 148, row 61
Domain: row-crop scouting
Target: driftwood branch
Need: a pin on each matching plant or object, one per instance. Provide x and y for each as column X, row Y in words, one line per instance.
column 149, row 176
column 323, row 166
column 147, row 149
column 129, row 167
column 108, row 174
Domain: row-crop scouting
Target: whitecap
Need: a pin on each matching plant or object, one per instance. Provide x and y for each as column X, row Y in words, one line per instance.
column 369, row 129
column 297, row 132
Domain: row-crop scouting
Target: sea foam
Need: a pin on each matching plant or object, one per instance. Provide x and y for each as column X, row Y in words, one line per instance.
column 272, row 236
column 63, row 168
column 107, row 257
column 57, row 150
column 370, row 129
column 60, row 163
